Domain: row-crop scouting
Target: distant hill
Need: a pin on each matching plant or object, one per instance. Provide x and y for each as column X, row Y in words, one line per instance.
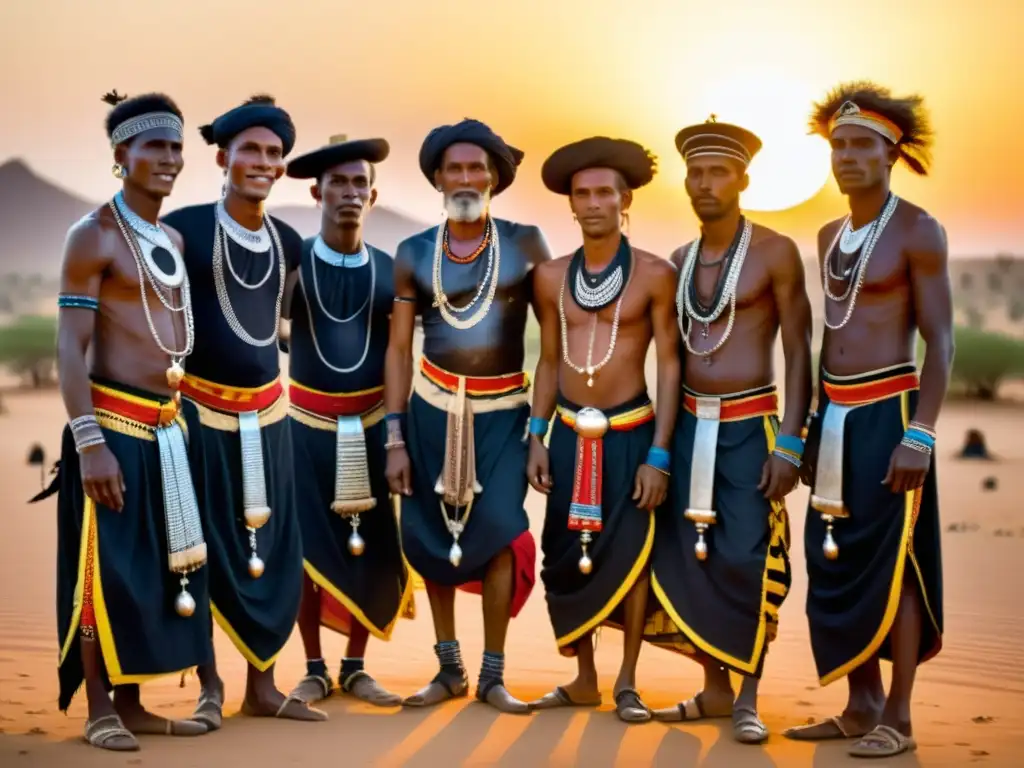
column 384, row 227
column 34, row 218
column 35, row 215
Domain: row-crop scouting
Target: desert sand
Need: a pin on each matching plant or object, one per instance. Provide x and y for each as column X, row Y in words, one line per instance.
column 969, row 702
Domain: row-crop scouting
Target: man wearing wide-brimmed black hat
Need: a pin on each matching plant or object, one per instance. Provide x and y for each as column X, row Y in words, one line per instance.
column 356, row 581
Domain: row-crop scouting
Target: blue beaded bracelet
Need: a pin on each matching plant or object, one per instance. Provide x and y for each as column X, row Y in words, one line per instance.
column 659, row 458
column 790, row 444
column 919, row 436
column 78, row 302
column 786, row 456
column 538, row 426
column 393, row 417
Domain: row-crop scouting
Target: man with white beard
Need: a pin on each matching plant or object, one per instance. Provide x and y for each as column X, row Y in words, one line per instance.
column 456, row 449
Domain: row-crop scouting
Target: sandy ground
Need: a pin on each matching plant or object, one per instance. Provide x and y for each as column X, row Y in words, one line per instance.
column 969, row 702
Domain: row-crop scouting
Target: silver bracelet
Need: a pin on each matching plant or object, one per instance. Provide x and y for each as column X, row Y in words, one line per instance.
column 917, row 445
column 86, row 431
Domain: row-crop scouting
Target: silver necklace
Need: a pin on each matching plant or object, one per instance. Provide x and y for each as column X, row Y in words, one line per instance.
column 153, row 236
column 177, row 356
column 852, row 239
column 490, row 283
column 332, row 318
column 334, row 260
column 685, row 309
column 859, row 270
column 589, row 297
column 220, row 246
column 257, row 242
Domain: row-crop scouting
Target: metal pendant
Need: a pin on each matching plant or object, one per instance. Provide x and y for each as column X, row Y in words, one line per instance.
column 356, row 545
column 175, row 374
column 455, row 555
column 586, row 565
column 184, row 604
column 255, row 566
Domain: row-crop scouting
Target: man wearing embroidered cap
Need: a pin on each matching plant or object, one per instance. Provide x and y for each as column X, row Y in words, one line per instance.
column 132, row 599
column 607, row 471
column 720, row 569
column 872, row 534
column 240, row 262
column 356, row 581
column 456, row 450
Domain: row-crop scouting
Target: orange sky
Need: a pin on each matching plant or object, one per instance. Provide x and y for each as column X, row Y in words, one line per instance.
column 543, row 73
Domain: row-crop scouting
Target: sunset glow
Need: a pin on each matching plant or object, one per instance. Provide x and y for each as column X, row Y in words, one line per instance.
column 543, row 74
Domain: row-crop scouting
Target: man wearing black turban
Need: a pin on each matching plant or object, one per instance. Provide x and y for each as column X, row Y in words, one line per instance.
column 239, row 262
column 606, row 471
column 457, row 457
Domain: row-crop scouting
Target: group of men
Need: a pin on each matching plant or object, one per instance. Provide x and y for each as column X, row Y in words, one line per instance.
column 194, row 488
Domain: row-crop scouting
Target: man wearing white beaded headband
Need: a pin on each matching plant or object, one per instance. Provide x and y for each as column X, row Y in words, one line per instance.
column 130, row 538
column 720, row 568
column 872, row 533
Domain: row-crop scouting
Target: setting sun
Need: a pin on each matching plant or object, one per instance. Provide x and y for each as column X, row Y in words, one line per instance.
column 791, row 166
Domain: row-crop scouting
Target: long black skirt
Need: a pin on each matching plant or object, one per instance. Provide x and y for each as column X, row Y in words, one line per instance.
column 498, row 518
column 888, row 539
column 258, row 614
column 140, row 634
column 374, row 587
column 726, row 606
column 579, row 603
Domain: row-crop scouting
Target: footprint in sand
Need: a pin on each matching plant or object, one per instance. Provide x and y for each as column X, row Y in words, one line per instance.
column 983, row 719
column 804, row 704
column 36, row 732
column 35, row 712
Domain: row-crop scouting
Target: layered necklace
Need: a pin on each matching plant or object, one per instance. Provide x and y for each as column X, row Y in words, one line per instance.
column 688, row 305
column 485, row 291
column 323, row 252
column 134, row 228
column 266, row 239
column 591, row 294
column 850, row 241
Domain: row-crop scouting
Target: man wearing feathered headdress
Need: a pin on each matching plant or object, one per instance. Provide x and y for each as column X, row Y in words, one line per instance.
column 872, row 533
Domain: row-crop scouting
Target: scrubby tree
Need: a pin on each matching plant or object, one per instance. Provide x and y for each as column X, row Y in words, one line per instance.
column 28, row 347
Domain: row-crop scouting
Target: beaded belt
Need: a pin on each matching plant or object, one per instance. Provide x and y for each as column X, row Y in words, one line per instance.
column 590, row 425
column 461, row 397
column 151, row 419
column 243, row 409
column 348, row 415
column 844, row 395
column 711, row 411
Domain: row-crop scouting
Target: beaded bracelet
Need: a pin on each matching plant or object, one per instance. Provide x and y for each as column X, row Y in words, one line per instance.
column 659, row 458
column 86, row 431
column 394, row 437
column 74, row 301
column 538, row 426
column 789, row 448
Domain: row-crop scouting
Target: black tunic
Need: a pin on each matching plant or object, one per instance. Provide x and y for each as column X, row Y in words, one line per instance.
column 493, row 347
column 372, row 587
column 258, row 614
